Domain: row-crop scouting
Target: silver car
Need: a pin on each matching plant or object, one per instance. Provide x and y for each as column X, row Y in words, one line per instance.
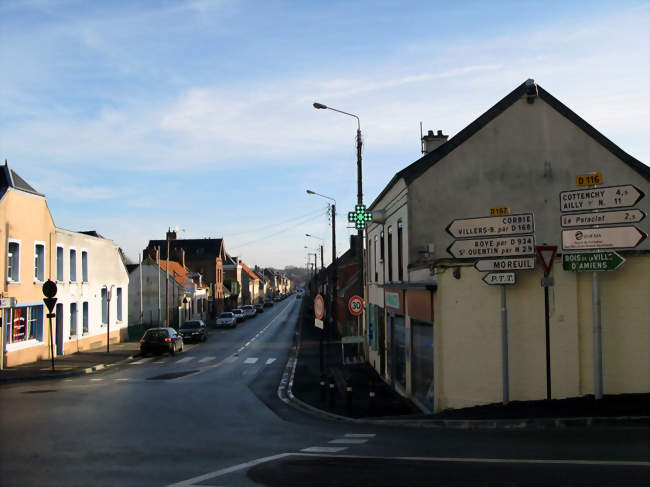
column 227, row 319
column 249, row 310
column 239, row 314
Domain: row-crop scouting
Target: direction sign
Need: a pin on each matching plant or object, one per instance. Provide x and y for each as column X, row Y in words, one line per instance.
column 501, row 278
column 319, row 307
column 602, row 238
column 592, row 261
column 505, row 264
column 600, row 198
column 355, row 305
column 602, row 218
column 591, row 179
column 492, row 247
column 492, row 226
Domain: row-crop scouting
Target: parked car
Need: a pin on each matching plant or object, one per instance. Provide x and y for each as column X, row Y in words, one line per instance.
column 268, row 302
column 276, row 298
column 194, row 330
column 227, row 318
column 298, row 296
column 239, row 314
column 161, row 340
column 259, row 308
column 249, row 311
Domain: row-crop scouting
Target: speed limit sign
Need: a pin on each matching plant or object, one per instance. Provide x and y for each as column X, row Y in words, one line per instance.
column 319, row 307
column 355, row 305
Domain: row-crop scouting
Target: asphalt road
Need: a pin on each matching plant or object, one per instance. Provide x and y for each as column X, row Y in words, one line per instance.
column 211, row 416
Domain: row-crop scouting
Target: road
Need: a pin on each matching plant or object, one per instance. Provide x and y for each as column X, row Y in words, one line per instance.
column 210, row 416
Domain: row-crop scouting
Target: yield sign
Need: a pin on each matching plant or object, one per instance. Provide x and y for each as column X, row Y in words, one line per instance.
column 546, row 254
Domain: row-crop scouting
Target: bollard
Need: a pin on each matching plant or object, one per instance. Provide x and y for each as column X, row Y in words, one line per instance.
column 323, row 389
column 348, row 396
column 332, row 392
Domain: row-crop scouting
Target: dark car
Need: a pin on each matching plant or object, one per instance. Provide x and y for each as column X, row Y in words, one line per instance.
column 259, row 308
column 194, row 330
column 161, row 340
column 268, row 302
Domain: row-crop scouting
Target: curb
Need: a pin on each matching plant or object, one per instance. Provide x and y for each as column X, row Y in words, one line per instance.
column 285, row 394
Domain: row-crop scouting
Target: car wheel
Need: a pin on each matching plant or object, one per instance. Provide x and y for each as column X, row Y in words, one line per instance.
column 172, row 350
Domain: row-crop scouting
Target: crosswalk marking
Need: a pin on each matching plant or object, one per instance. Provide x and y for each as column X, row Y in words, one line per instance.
column 251, row 360
column 360, row 435
column 185, row 359
column 349, row 441
column 206, row 359
column 324, row 449
column 270, row 361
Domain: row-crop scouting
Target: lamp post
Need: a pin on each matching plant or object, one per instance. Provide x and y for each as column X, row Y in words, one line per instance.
column 322, row 265
column 109, row 292
column 320, row 106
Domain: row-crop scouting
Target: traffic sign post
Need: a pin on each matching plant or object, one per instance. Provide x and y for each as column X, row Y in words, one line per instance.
column 592, row 261
column 319, row 313
column 49, row 291
column 355, row 305
column 546, row 254
column 492, row 247
column 602, row 238
column 492, row 226
column 600, row 198
column 632, row 215
column 500, row 278
column 523, row 263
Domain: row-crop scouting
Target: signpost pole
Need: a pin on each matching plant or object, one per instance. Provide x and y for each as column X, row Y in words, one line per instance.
column 49, row 317
column 598, row 359
column 504, row 346
column 548, row 343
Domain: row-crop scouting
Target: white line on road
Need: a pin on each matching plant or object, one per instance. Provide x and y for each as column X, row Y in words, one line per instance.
column 230, row 359
column 206, row 359
column 142, row 361
column 120, row 379
column 349, row 441
column 251, row 360
column 360, row 435
column 270, row 361
column 96, row 380
column 183, row 360
column 324, row 449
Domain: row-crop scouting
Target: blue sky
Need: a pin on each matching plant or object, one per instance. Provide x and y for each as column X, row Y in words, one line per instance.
column 135, row 116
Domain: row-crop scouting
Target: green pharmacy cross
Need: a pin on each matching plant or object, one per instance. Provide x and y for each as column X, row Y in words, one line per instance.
column 360, row 216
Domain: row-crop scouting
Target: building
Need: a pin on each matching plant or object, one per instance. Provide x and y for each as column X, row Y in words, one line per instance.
column 434, row 327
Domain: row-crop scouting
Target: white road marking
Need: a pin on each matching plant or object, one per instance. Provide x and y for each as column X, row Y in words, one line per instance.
column 324, row 449
column 120, row 379
column 270, row 361
column 96, row 380
column 230, row 359
column 349, row 441
column 206, row 359
column 360, row 435
column 142, row 361
column 183, row 360
column 251, row 360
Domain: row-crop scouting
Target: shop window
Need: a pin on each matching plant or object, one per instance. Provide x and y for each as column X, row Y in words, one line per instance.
column 422, row 362
column 73, row 265
column 59, row 264
column 26, row 324
column 13, row 261
column 39, row 262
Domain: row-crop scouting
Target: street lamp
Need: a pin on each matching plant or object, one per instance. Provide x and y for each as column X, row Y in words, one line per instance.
column 320, row 106
column 109, row 292
column 321, row 248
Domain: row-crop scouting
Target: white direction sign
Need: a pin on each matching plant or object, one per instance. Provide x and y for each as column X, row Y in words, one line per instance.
column 505, row 264
column 602, row 218
column 492, row 247
column 602, row 238
column 492, row 226
column 600, row 198
column 502, row 278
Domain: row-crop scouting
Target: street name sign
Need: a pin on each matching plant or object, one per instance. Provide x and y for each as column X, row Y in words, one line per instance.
column 602, row 238
column 505, row 264
column 591, row 179
column 602, row 218
column 492, row 247
column 600, row 198
column 494, row 278
column 592, row 261
column 492, row 226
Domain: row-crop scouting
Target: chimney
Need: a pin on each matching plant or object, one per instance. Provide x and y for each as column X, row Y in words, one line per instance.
column 157, row 254
column 171, row 234
column 183, row 258
column 431, row 141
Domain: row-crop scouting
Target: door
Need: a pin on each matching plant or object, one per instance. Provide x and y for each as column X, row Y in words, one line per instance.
column 59, row 329
column 382, row 341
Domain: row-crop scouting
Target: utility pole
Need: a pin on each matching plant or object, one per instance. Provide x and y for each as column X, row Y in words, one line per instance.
column 167, row 284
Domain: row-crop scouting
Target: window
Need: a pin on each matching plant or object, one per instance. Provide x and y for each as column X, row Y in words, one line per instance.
column 73, row 319
column 39, row 262
column 85, row 318
column 400, row 250
column 84, row 266
column 73, row 265
column 369, row 263
column 27, row 324
column 381, row 245
column 13, row 261
column 390, row 254
column 376, row 272
column 422, row 362
column 59, row 263
column 104, row 305
column 119, row 304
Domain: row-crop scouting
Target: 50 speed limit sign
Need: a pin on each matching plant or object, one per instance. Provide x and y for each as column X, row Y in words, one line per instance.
column 355, row 305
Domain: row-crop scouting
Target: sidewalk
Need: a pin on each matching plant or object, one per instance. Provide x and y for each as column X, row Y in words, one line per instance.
column 631, row 410
column 80, row 363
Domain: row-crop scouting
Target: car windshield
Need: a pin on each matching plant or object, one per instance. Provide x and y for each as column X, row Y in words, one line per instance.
column 237, row 311
column 156, row 334
column 226, row 315
column 190, row 325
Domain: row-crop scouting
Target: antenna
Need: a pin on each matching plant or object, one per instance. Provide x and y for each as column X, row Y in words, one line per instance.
column 421, row 141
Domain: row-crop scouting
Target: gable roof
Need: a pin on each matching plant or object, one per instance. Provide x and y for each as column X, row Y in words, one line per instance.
column 194, row 246
column 411, row 172
column 10, row 179
column 249, row 272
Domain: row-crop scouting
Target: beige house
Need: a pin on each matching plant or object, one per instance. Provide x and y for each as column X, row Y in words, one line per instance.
column 434, row 327
column 28, row 242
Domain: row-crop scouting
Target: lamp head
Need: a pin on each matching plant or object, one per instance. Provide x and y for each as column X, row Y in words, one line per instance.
column 309, row 191
column 319, row 106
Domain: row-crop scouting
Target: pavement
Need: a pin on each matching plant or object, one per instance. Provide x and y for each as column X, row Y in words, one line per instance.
column 355, row 392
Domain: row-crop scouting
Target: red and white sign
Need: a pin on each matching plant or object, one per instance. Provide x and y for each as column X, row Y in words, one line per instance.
column 319, row 307
column 355, row 305
column 546, row 254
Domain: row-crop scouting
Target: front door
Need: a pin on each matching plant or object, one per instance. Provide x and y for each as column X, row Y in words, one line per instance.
column 59, row 329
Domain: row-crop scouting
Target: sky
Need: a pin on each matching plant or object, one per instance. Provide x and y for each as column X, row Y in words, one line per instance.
column 133, row 117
